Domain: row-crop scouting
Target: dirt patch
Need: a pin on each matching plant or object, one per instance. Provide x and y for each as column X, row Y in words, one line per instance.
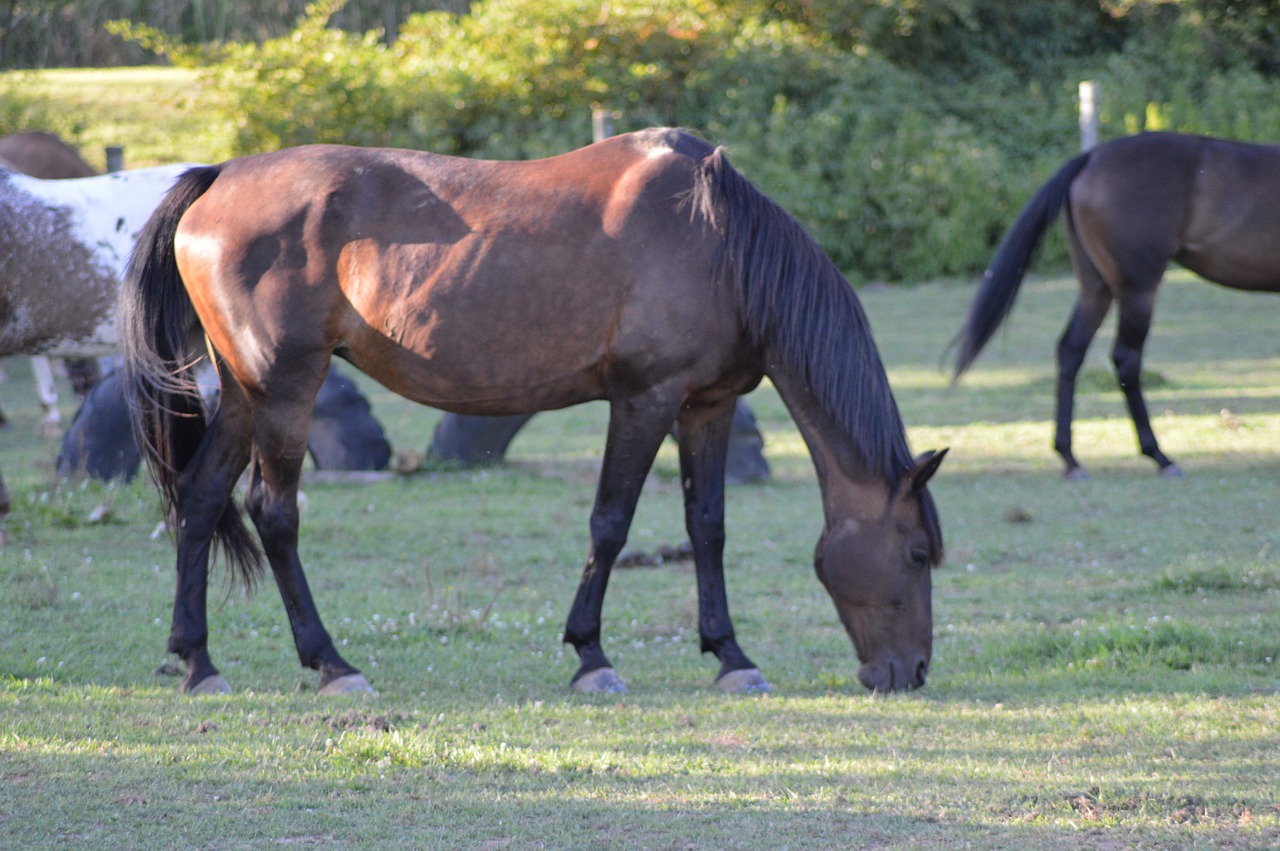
column 664, row 554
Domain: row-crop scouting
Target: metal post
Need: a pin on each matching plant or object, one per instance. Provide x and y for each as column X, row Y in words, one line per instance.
column 1090, row 94
column 601, row 125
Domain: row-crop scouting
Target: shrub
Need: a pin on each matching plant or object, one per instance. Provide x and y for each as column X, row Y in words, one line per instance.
column 907, row 141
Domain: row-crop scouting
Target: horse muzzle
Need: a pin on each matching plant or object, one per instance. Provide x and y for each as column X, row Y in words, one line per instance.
column 894, row 674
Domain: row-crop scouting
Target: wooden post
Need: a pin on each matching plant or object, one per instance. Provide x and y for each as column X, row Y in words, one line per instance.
column 1089, row 97
column 601, row 124
column 115, row 158
column 390, row 26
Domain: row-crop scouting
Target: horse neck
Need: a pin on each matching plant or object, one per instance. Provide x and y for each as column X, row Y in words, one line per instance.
column 847, row 484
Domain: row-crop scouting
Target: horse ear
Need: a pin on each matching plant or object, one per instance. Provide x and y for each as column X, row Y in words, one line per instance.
column 924, row 468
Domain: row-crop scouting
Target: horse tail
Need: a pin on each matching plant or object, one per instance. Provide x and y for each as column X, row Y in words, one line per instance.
column 1003, row 277
column 161, row 343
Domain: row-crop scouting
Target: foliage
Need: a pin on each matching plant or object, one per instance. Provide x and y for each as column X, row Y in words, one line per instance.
column 833, row 134
column 317, row 84
column 59, row 33
column 1197, row 71
column 906, row 134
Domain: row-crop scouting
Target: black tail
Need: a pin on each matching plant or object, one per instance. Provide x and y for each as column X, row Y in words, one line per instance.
column 161, row 343
column 1004, row 276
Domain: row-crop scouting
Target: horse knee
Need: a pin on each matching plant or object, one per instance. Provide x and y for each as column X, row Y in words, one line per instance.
column 200, row 506
column 274, row 517
column 1128, row 364
column 710, row 536
column 608, row 536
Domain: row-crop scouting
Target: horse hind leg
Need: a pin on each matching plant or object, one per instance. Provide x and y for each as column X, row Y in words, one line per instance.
column 204, row 495
column 47, row 391
column 637, row 428
column 280, row 445
column 1090, row 309
column 703, row 435
column 1072, row 347
column 1135, row 322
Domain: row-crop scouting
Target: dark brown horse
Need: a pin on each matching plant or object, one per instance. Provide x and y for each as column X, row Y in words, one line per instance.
column 1133, row 205
column 43, row 155
column 642, row 270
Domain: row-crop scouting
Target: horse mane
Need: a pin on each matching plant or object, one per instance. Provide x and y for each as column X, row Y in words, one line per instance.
column 798, row 306
column 802, row 312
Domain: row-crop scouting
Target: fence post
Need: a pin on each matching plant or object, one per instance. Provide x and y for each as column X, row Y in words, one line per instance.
column 115, row 158
column 1089, row 96
column 390, row 26
column 601, row 124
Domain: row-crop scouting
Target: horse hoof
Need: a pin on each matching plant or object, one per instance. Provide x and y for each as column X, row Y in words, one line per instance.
column 744, row 681
column 350, row 684
column 1076, row 474
column 1172, row 471
column 210, row 685
column 599, row 681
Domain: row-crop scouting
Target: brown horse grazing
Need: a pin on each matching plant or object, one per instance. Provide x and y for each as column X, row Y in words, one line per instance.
column 1133, row 205
column 642, row 270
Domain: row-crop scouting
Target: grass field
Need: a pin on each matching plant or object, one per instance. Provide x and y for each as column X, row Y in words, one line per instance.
column 1104, row 674
column 152, row 113
column 1105, row 666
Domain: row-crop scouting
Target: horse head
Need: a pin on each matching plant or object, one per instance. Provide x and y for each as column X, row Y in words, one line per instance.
column 875, row 562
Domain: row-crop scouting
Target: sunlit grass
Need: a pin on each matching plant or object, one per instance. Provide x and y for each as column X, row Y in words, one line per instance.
column 154, row 113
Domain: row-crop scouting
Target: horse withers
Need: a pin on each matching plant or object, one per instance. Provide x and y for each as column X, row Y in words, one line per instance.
column 1132, row 206
column 642, row 270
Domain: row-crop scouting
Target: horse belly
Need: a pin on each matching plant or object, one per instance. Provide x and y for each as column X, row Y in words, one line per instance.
column 1236, row 252
column 482, row 336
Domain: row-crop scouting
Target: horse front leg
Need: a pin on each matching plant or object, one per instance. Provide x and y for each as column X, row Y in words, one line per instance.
column 272, row 502
column 636, row 429
column 703, row 435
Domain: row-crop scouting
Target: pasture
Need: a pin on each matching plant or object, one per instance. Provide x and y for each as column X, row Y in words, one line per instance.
column 1105, row 668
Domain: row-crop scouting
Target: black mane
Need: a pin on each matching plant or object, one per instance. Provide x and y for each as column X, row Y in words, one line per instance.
column 799, row 308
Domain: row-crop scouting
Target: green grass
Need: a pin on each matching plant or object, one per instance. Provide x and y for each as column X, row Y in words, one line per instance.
column 1105, row 668
column 152, row 112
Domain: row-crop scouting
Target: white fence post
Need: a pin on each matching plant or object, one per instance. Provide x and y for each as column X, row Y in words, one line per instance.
column 1089, row 96
column 601, row 124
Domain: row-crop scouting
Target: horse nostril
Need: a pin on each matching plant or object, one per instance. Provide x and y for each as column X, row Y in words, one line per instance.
column 922, row 671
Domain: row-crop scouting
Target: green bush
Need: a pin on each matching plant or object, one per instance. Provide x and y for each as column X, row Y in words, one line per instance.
column 1188, row 74
column 906, row 134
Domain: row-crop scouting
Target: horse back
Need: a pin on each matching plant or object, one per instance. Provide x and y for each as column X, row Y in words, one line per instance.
column 474, row 286
column 1209, row 204
column 43, row 155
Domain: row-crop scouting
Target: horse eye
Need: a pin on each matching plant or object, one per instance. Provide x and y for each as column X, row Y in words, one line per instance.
column 919, row 557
